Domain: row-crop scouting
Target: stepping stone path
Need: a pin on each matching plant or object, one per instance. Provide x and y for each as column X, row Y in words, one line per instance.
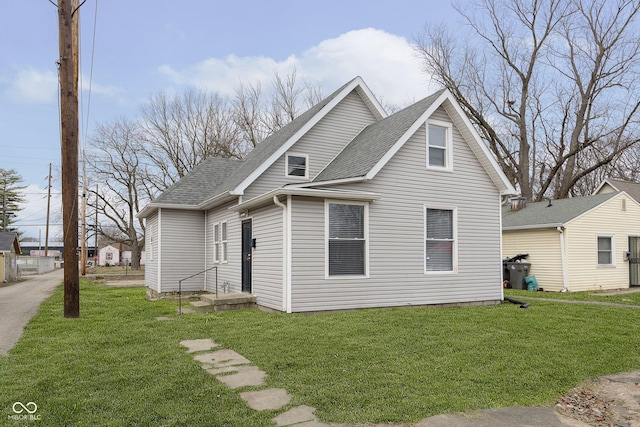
column 236, row 371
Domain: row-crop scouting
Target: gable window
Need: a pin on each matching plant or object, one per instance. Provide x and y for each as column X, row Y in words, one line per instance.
column 346, row 239
column 297, row 165
column 605, row 250
column 439, row 151
column 440, row 240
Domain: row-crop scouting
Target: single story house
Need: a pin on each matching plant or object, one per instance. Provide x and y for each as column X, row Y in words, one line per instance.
column 108, row 256
column 9, row 251
column 345, row 207
column 576, row 244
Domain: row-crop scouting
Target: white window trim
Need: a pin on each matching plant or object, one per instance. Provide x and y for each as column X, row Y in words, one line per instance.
column 448, row 158
column 328, row 202
column 455, row 238
column 217, row 231
column 613, row 250
column 286, row 165
column 224, row 247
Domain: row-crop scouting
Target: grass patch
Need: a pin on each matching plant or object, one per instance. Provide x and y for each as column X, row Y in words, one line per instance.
column 117, row 365
column 601, row 296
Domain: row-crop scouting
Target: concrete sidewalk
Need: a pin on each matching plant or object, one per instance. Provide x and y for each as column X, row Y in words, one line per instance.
column 20, row 301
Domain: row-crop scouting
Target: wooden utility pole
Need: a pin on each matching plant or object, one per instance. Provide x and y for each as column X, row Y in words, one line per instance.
column 46, row 230
column 68, row 43
column 83, row 256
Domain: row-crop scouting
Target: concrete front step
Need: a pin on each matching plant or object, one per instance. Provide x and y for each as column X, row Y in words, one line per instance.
column 224, row 302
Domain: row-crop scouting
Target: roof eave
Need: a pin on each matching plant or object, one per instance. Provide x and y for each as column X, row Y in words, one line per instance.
column 531, row 226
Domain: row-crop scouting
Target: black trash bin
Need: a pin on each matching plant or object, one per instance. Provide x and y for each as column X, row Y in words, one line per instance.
column 515, row 270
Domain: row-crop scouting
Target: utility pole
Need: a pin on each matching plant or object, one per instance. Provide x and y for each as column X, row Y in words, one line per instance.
column 83, row 257
column 95, row 249
column 68, row 44
column 46, row 230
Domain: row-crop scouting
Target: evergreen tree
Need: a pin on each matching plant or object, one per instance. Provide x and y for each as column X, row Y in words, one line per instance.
column 10, row 198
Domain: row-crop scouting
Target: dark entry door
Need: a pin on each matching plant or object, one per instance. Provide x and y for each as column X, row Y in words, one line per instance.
column 634, row 261
column 247, row 246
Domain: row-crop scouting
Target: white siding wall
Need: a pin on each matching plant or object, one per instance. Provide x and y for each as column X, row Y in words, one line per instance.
column 322, row 143
column 151, row 250
column 606, row 219
column 229, row 273
column 543, row 247
column 267, row 257
column 396, row 236
column 182, row 254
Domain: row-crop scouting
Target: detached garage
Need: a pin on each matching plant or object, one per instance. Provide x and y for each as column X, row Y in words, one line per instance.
column 577, row 244
column 9, row 250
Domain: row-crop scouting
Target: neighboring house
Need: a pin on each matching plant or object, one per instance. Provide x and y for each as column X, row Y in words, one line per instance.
column 9, row 250
column 342, row 208
column 108, row 256
column 577, row 244
column 613, row 185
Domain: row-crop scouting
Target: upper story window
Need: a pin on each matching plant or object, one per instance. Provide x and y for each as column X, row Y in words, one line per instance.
column 439, row 145
column 297, row 165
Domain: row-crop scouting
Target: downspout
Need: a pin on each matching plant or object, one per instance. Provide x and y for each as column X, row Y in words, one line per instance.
column 206, row 236
column 159, row 246
column 563, row 257
column 286, row 259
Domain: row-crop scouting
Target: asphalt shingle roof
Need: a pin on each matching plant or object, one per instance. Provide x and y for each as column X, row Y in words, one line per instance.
column 7, row 239
column 561, row 211
column 373, row 142
column 629, row 187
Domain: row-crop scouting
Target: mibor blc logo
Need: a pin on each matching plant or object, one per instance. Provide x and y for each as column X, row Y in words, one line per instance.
column 24, row 412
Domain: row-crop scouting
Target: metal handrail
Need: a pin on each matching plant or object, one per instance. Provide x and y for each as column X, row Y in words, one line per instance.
column 193, row 275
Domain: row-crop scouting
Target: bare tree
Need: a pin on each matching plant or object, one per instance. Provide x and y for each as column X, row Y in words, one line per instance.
column 550, row 84
column 115, row 163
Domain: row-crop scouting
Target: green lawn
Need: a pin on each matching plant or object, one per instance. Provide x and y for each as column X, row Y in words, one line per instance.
column 602, row 296
column 117, row 365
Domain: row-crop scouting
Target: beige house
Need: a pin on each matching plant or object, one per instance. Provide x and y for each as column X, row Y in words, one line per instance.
column 577, row 244
column 9, row 250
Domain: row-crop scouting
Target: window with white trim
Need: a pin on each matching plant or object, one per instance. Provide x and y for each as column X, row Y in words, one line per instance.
column 606, row 244
column 346, row 239
column 439, row 145
column 440, row 240
column 216, row 242
column 297, row 165
column 223, row 241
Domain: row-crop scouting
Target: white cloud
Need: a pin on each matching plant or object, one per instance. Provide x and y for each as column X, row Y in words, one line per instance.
column 385, row 61
column 33, row 86
column 31, row 220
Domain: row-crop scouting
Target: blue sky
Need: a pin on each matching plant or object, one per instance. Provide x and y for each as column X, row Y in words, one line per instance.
column 143, row 47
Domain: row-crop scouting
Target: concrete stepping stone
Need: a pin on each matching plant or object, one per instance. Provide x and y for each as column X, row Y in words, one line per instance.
column 199, row 345
column 273, row 398
column 246, row 376
column 296, row 415
column 222, row 358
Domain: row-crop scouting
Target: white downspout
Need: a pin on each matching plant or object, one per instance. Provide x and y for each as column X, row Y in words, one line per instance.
column 563, row 257
column 286, row 259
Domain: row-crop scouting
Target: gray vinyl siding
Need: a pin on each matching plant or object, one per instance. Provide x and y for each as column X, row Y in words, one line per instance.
column 321, row 143
column 267, row 257
column 151, row 243
column 229, row 273
column 396, row 236
column 182, row 240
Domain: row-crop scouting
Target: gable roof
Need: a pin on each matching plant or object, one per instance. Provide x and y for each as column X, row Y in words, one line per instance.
column 204, row 188
column 541, row 215
column 630, row 187
column 8, row 241
column 376, row 144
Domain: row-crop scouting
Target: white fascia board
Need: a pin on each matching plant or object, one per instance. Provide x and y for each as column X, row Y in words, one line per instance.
column 216, row 200
column 357, row 82
column 508, row 189
column 404, row 138
column 152, row 207
column 532, row 227
column 308, row 192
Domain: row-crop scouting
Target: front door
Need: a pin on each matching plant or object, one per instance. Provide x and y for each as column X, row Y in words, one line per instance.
column 634, row 261
column 247, row 246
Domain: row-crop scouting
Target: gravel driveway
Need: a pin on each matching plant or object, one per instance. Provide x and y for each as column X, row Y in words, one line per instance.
column 19, row 302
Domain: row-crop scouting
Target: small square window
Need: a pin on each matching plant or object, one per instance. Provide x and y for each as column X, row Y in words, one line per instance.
column 297, row 165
